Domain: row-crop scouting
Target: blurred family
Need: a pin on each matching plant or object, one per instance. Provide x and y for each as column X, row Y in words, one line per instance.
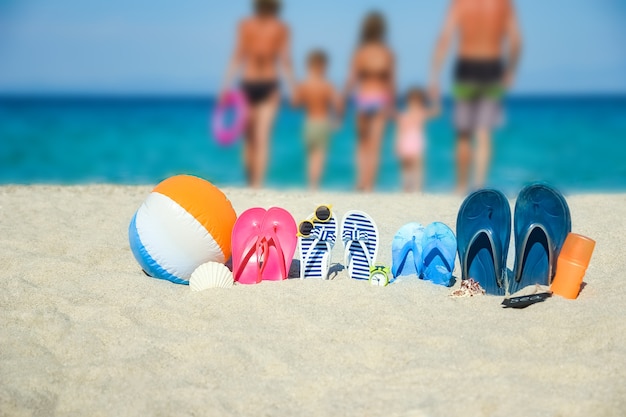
column 489, row 44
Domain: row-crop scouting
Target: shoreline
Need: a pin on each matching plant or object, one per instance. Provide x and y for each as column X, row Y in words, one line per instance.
column 85, row 332
column 300, row 190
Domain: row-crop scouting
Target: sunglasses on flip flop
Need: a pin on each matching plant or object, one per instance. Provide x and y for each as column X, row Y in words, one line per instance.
column 322, row 214
column 305, row 228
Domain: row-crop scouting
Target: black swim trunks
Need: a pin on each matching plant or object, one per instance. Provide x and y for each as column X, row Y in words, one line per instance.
column 258, row 91
column 478, row 91
column 478, row 71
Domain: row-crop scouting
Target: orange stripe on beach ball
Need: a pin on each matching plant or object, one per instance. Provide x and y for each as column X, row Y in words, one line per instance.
column 204, row 201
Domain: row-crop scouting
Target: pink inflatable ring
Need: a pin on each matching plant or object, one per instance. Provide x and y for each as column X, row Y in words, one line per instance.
column 232, row 100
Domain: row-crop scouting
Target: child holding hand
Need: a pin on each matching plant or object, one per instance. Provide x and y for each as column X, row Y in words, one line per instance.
column 411, row 138
column 319, row 99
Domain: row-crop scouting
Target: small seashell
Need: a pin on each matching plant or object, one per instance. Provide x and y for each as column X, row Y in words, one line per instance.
column 469, row 288
column 211, row 275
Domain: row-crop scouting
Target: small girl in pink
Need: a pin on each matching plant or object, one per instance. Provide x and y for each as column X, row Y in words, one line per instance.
column 411, row 140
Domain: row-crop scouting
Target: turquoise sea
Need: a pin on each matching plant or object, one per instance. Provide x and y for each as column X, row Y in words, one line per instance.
column 575, row 143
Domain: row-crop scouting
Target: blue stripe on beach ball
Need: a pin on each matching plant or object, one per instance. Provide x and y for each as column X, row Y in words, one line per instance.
column 147, row 263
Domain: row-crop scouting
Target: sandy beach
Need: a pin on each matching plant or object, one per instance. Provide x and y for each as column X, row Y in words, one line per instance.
column 83, row 332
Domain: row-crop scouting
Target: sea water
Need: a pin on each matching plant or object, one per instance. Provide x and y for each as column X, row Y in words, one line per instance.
column 575, row 143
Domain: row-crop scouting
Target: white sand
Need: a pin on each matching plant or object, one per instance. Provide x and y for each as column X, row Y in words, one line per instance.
column 84, row 332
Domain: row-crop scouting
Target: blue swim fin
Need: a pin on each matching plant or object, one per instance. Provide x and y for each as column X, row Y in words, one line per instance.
column 483, row 230
column 542, row 222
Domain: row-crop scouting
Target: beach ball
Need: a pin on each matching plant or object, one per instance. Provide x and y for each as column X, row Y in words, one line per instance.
column 184, row 223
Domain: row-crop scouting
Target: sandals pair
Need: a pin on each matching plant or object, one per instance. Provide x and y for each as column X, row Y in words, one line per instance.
column 263, row 242
column 318, row 235
column 542, row 222
column 426, row 252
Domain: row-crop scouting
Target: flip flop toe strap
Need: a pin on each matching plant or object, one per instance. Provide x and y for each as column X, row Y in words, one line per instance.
column 319, row 235
column 324, row 235
column 496, row 250
column 253, row 243
column 551, row 250
column 435, row 248
column 356, row 235
column 276, row 242
column 410, row 246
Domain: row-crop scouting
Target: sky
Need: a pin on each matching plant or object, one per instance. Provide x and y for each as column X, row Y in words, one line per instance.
column 169, row 47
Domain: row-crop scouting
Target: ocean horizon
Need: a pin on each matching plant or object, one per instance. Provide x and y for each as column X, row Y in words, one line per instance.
column 575, row 142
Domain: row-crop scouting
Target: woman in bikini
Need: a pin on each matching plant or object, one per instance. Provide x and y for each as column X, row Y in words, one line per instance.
column 263, row 45
column 372, row 82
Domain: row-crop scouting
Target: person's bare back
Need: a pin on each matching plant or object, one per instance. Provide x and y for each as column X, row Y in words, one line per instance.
column 262, row 42
column 485, row 29
column 482, row 27
column 373, row 68
column 317, row 97
column 315, row 94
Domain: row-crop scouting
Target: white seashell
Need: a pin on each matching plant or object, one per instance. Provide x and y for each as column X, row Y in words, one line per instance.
column 211, row 275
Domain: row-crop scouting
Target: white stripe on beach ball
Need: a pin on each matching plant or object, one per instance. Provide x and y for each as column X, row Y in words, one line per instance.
column 174, row 238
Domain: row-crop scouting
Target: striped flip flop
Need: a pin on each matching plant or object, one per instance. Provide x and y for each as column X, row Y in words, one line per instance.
column 315, row 249
column 360, row 239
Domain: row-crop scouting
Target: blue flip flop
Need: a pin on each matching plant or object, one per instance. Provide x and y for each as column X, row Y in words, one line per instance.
column 542, row 222
column 438, row 253
column 483, row 229
column 406, row 251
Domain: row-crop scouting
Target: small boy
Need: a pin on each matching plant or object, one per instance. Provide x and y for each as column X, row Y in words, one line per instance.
column 319, row 98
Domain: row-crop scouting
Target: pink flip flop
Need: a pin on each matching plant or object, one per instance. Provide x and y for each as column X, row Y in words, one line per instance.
column 279, row 243
column 247, row 244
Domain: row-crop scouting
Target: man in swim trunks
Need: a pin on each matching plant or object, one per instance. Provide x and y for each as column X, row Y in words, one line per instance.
column 263, row 45
column 484, row 70
column 319, row 98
